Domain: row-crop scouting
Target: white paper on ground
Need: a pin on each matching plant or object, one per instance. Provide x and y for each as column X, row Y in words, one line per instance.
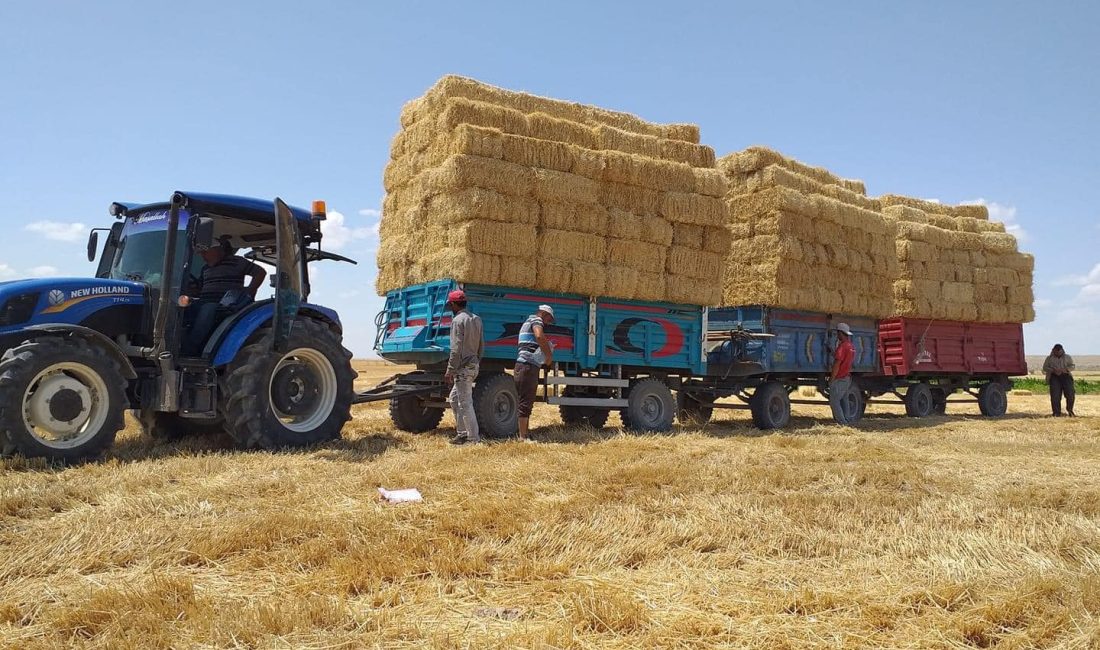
column 400, row 496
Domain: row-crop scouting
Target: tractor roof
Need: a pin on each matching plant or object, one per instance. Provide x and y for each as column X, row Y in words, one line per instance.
column 223, row 205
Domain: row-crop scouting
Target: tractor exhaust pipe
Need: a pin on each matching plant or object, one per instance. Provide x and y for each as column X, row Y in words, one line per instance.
column 163, row 352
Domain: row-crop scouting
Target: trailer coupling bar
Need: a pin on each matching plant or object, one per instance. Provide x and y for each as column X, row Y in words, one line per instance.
column 385, row 392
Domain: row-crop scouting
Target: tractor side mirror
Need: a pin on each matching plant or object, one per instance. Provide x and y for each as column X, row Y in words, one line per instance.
column 93, row 244
column 204, row 233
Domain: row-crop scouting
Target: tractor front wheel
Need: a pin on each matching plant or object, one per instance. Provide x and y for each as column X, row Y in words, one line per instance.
column 292, row 399
column 62, row 399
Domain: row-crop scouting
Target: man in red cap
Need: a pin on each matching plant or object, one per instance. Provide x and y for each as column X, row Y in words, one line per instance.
column 840, row 375
column 467, row 347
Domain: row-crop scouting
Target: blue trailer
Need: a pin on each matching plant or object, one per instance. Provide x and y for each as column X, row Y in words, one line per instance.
column 609, row 354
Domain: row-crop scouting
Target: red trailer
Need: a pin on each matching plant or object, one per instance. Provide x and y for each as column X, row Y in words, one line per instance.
column 923, row 362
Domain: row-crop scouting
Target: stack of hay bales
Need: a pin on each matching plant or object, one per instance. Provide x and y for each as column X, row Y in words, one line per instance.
column 804, row 238
column 491, row 186
column 956, row 264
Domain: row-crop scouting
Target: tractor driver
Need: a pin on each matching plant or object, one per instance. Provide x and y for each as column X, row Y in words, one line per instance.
column 221, row 292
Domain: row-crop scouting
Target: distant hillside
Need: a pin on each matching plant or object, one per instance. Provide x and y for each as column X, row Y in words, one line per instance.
column 1084, row 362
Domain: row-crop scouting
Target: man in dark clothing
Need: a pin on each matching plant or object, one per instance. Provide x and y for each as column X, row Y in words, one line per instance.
column 221, row 291
column 535, row 352
column 840, row 376
column 1058, row 368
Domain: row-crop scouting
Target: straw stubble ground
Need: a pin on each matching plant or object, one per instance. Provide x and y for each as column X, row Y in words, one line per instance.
column 949, row 532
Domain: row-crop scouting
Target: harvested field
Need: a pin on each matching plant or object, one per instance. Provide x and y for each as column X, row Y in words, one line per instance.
column 955, row 531
column 565, row 187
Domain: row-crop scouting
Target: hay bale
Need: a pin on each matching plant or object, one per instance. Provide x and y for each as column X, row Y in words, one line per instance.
column 497, row 238
column 571, row 246
column 756, row 158
column 480, row 204
column 690, row 208
column 628, row 198
column 634, row 254
column 691, row 290
column 622, row 281
column 570, row 216
column 461, row 171
column 693, row 263
column 457, row 263
column 542, row 154
column 518, row 271
column 561, row 187
column 588, row 279
column 995, row 242
column 641, row 227
column 688, row 236
column 711, row 182
column 777, row 176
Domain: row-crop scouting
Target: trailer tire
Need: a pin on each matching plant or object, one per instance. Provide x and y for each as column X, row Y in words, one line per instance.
column 854, row 405
column 44, row 380
column 496, row 405
column 919, row 401
column 274, row 400
column 692, row 412
column 584, row 416
column 771, row 406
column 939, row 401
column 993, row 399
column 651, row 407
column 409, row 414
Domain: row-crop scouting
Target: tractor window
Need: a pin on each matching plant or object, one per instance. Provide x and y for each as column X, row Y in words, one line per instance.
column 140, row 257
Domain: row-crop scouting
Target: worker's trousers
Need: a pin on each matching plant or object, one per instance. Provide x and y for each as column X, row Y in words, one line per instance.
column 1061, row 385
column 838, row 392
column 462, row 402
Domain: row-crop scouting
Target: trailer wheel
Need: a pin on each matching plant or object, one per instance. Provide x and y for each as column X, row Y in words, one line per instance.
column 854, row 405
column 691, row 411
column 650, row 408
column 409, row 414
column 61, row 399
column 939, row 401
column 584, row 416
column 993, row 400
column 771, row 406
column 919, row 402
column 496, row 405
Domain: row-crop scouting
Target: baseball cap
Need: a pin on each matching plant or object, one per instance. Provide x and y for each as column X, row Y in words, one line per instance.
column 458, row 295
column 843, row 327
column 548, row 309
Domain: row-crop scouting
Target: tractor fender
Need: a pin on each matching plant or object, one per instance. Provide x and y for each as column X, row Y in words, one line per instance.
column 234, row 332
column 93, row 337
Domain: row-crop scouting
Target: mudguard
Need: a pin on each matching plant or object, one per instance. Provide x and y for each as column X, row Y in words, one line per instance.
column 91, row 336
column 234, row 332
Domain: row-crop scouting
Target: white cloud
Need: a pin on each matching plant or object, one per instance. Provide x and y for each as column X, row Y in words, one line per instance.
column 1089, row 284
column 42, row 271
column 370, row 213
column 58, row 230
column 338, row 233
column 1006, row 214
column 6, row 271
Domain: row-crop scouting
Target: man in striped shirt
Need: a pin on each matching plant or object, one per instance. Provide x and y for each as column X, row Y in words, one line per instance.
column 534, row 353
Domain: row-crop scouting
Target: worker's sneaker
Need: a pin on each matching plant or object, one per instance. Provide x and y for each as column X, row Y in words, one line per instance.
column 463, row 439
column 1072, row 414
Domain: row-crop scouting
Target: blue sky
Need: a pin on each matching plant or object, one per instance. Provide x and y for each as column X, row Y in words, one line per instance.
column 991, row 101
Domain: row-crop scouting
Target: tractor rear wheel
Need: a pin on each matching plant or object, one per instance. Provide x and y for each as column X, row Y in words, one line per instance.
column 292, row 399
column 409, row 414
column 650, row 406
column 771, row 406
column 61, row 399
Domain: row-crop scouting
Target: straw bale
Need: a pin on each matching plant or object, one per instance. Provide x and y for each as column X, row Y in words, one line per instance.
column 905, row 213
column 571, row 216
column 588, row 279
column 629, row 198
column 634, row 254
column 647, row 228
column 990, row 226
column 963, row 274
column 691, row 290
column 622, row 282
column 740, row 231
column 990, row 293
column 961, row 292
column 778, row 222
column 553, row 274
column 651, row 286
column 682, row 132
column 479, row 141
column 458, row 111
column 756, row 158
column 477, row 203
column 691, row 208
column 688, row 236
column 715, row 240
column 647, row 172
column 391, row 277
column 571, row 245
column 697, row 155
column 561, row 187
column 590, row 164
column 1017, row 261
column 457, row 263
column 710, row 182
column 942, row 221
column 530, row 152
column 694, row 263
column 494, row 238
column 517, row 271
column 762, row 246
column 611, row 138
column 775, row 175
column 995, row 242
column 548, row 127
column 991, row 313
column 965, row 241
column 460, row 172
column 972, row 211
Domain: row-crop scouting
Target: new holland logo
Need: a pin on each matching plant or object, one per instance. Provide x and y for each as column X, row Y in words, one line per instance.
column 56, row 297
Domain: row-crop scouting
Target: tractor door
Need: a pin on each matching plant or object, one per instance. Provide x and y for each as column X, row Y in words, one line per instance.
column 289, row 276
column 107, row 257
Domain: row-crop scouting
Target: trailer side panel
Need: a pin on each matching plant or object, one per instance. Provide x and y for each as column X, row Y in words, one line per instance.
column 910, row 346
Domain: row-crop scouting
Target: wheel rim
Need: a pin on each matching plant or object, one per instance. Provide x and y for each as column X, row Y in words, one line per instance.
column 652, row 409
column 924, row 403
column 997, row 400
column 65, row 405
column 775, row 409
column 302, row 389
column 503, row 407
column 851, row 404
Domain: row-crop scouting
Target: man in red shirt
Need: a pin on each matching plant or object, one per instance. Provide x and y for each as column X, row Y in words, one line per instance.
column 840, row 377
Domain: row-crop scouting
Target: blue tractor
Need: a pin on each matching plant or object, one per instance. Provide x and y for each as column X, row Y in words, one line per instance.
column 76, row 353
